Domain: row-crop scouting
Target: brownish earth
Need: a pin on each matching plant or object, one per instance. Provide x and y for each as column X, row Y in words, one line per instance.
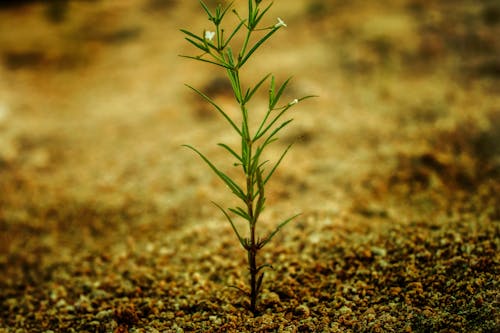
column 106, row 223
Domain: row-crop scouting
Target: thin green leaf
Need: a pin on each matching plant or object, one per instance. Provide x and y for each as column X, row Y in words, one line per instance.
column 189, row 33
column 263, row 163
column 258, row 133
column 271, row 138
column 202, row 47
column 276, row 165
column 243, row 48
column 259, row 283
column 258, row 153
column 228, row 181
column 244, row 154
column 259, row 17
column 198, row 38
column 256, row 46
column 264, row 266
column 231, row 151
column 306, row 97
column 250, row 93
column 250, row 11
column 208, row 99
column 220, row 15
column 270, row 125
column 279, row 93
column 245, row 100
column 205, row 7
column 204, row 60
column 259, row 207
column 272, row 234
column 234, row 80
column 260, row 187
column 241, row 239
column 240, row 290
column 276, row 130
column 240, row 212
column 238, row 27
column 230, row 57
column 272, row 87
column 289, row 105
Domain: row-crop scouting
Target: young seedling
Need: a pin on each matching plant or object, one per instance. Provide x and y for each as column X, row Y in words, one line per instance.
column 216, row 48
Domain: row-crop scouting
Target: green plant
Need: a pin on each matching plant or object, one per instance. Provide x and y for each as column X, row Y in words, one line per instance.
column 216, row 47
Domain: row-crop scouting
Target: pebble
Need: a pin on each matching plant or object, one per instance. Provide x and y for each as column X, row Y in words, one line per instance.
column 271, row 298
column 104, row 314
column 302, row 311
column 345, row 310
column 379, row 251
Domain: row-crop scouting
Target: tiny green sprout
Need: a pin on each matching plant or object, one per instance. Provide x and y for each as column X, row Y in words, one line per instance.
column 216, row 49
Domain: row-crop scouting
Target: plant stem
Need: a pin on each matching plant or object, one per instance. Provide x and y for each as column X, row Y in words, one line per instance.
column 252, row 263
column 252, row 247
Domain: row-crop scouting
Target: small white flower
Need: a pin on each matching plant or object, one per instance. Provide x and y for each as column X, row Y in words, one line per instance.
column 280, row 23
column 295, row 101
column 209, row 35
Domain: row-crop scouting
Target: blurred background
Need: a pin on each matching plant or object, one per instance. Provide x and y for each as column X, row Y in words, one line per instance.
column 93, row 110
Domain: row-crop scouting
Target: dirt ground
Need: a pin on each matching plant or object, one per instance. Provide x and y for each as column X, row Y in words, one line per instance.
column 106, row 221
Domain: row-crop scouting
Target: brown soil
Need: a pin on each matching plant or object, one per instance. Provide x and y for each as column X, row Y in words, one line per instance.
column 106, row 223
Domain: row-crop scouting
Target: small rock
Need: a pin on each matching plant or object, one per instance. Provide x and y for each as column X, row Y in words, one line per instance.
column 270, row 299
column 104, row 314
column 302, row 311
column 61, row 303
column 69, row 309
column 345, row 310
column 379, row 251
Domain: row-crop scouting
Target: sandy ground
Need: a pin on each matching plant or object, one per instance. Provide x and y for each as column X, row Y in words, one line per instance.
column 106, row 223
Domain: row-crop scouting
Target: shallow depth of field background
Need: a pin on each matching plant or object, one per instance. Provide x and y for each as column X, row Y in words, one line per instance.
column 93, row 113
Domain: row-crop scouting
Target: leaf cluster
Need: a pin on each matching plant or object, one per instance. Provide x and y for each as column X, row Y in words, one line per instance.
column 219, row 52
